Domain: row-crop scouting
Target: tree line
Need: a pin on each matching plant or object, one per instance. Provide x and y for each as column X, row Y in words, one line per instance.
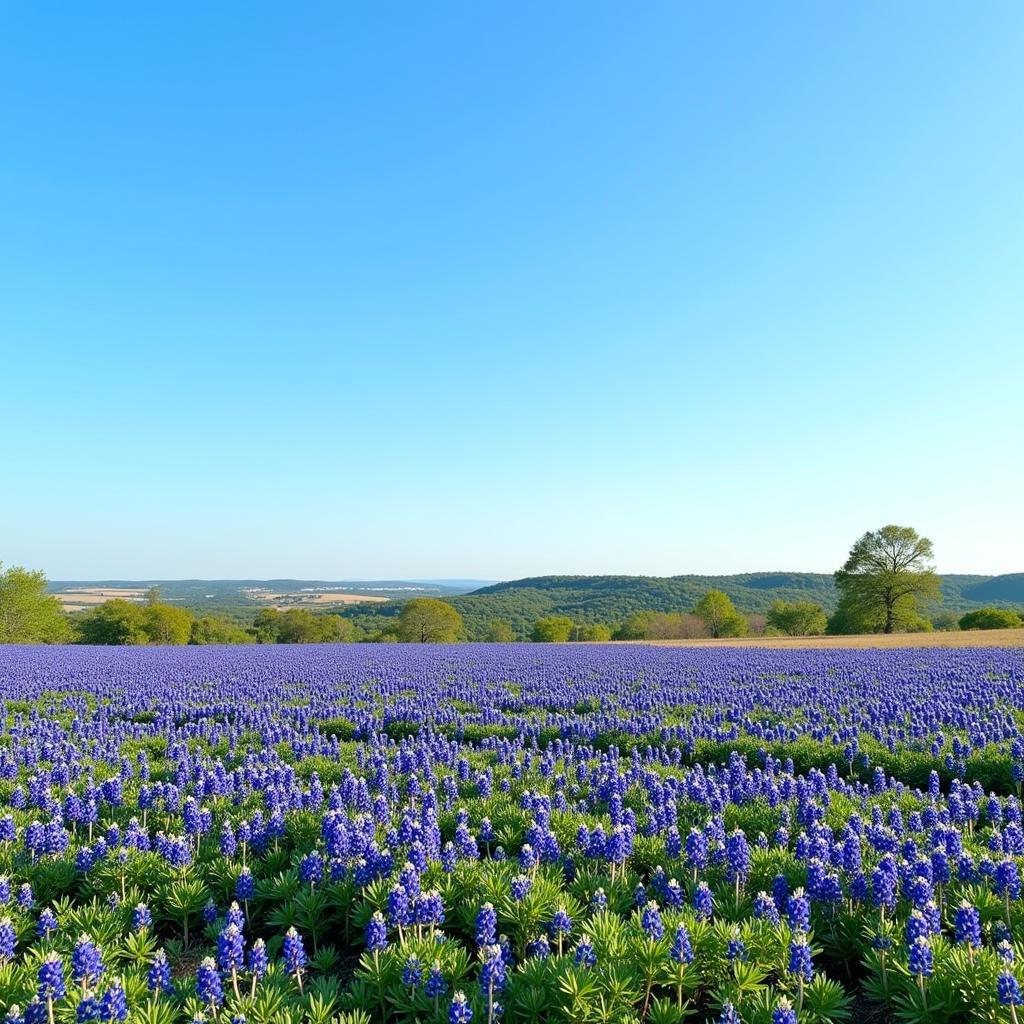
column 887, row 584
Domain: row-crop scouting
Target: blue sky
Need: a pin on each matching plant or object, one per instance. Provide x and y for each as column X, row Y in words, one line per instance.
column 500, row 290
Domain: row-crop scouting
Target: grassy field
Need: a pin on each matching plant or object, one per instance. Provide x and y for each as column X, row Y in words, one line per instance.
column 965, row 638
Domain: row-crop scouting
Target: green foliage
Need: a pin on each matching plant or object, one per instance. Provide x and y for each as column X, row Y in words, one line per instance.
column 635, row 627
column 554, row 629
column 113, row 622
column 426, row 620
column 797, row 618
column 28, row 615
column 500, row 632
column 212, row 629
column 719, row 615
column 991, row 618
column 165, row 624
column 595, row 632
column 887, row 574
column 300, row 626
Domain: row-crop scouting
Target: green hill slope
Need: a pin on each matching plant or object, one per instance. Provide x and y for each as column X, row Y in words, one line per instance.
column 610, row 599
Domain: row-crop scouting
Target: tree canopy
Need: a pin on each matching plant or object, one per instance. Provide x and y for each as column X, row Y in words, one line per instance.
column 887, row 574
column 426, row 620
column 991, row 618
column 797, row 618
column 499, row 632
column 552, row 629
column 719, row 615
column 28, row 615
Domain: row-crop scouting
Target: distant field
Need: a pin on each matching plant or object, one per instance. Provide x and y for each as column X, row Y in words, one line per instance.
column 282, row 601
column 965, row 638
column 89, row 597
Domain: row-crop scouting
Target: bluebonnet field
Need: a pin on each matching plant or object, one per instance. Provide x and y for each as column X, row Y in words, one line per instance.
column 512, row 833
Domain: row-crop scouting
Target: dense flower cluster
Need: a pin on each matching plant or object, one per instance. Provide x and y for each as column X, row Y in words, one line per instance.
column 501, row 833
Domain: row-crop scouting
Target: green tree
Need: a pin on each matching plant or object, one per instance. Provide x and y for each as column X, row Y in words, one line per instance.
column 165, row 624
column 113, row 622
column 499, row 632
column 991, row 618
column 426, row 620
column 888, row 572
column 554, row 629
column 946, row 622
column 333, row 629
column 719, row 615
column 592, row 632
column 797, row 618
column 266, row 626
column 28, row 615
column 210, row 629
column 635, row 627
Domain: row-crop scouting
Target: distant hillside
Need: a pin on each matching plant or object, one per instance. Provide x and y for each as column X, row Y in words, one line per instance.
column 606, row 599
column 610, row 599
column 1006, row 589
column 241, row 599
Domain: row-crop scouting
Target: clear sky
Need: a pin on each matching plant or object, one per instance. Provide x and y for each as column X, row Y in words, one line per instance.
column 494, row 290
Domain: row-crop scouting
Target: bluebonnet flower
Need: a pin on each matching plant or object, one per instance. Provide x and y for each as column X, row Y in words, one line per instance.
column 560, row 923
column 703, row 902
column 800, row 959
column 784, row 1012
column 682, row 949
column 159, row 977
column 208, row 986
column 88, row 1009
column 650, row 921
column 486, row 925
column 87, row 962
column 967, row 925
column 245, row 885
column 51, row 978
column 492, row 971
column 376, row 933
column 8, row 940
column 584, row 954
column 142, row 918
column 729, row 1015
column 520, row 887
column 114, row 1004
column 25, row 899
column 737, row 857
column 460, row 1011
column 765, row 909
column 436, row 986
column 412, row 972
column 294, row 954
column 735, row 949
column 230, row 949
column 47, row 923
column 798, row 911
column 258, row 961
column 920, row 958
column 1008, row 990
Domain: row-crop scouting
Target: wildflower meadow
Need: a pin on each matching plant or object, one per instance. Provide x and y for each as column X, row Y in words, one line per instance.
column 574, row 833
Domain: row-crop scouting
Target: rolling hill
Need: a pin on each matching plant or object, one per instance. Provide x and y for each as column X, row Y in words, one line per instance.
column 610, row 599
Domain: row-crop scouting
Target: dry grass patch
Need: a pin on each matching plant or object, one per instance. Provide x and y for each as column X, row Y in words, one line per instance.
column 964, row 638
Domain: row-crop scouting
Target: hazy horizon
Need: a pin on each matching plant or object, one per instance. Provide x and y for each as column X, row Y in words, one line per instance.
column 450, row 580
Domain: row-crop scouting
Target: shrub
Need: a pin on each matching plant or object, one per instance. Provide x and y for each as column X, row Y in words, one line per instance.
column 991, row 618
column 555, row 629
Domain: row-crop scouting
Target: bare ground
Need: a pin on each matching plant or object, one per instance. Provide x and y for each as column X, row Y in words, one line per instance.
column 963, row 638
